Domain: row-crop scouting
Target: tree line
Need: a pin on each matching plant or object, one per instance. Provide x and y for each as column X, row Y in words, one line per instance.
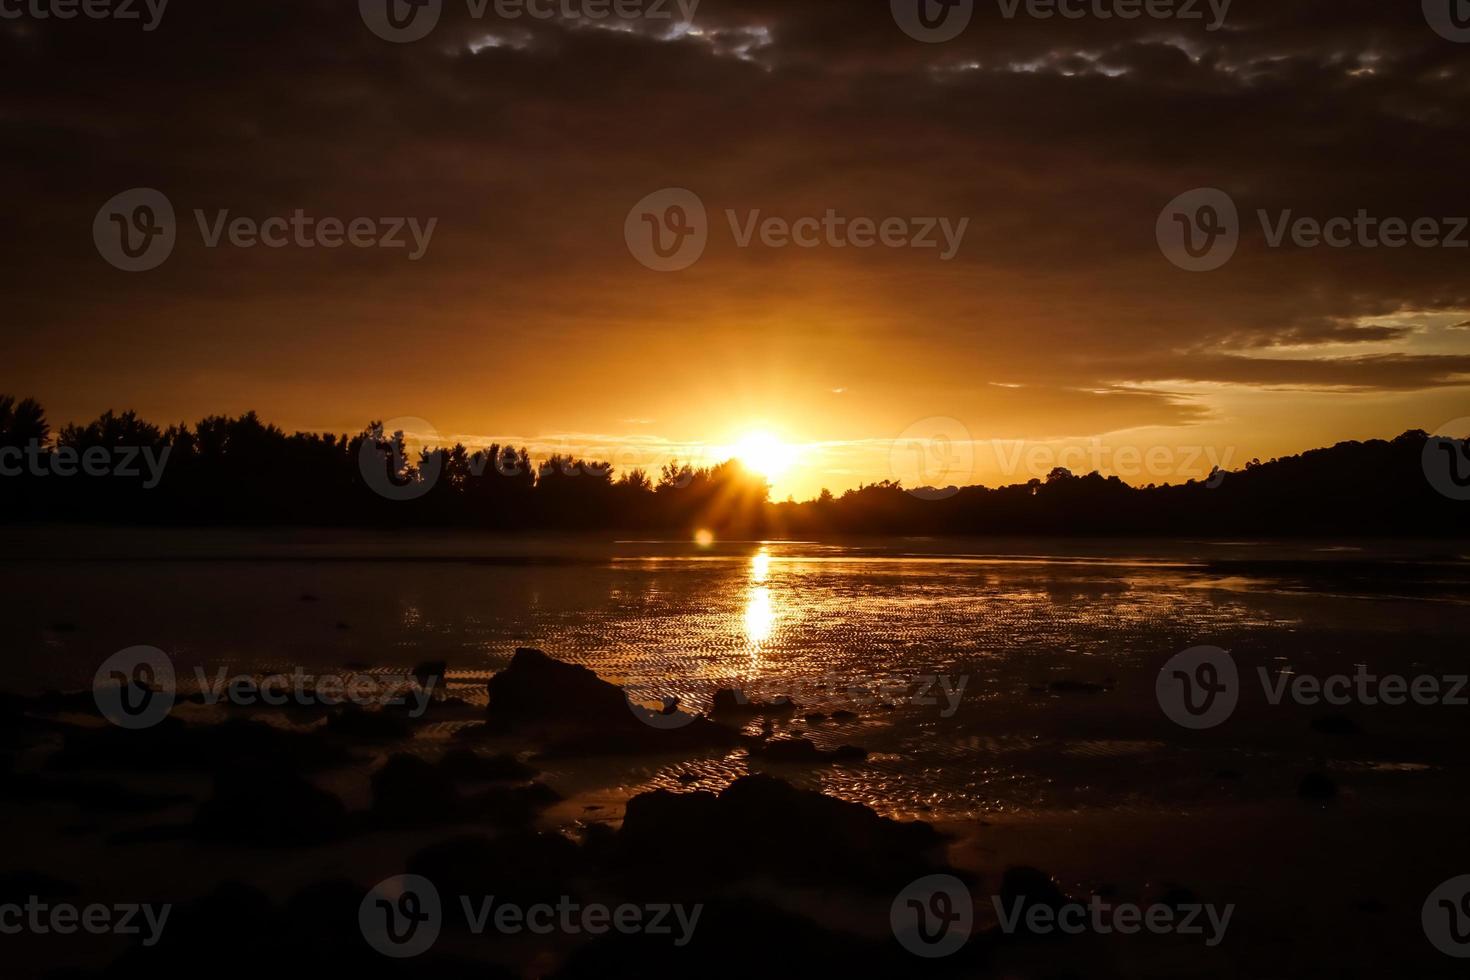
column 242, row 471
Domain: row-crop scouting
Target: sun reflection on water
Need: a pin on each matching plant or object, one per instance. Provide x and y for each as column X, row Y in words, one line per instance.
column 760, row 609
column 760, row 615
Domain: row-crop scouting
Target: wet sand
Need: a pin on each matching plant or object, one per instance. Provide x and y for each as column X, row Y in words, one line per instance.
column 1056, row 755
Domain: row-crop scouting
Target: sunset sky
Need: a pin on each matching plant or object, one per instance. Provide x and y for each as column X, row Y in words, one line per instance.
column 1058, row 321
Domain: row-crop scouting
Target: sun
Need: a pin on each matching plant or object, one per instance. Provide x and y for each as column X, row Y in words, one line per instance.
column 764, row 455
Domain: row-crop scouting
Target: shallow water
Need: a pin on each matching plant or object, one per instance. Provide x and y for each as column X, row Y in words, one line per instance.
column 943, row 651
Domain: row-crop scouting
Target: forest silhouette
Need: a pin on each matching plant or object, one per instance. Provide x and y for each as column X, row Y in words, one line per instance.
column 242, row 471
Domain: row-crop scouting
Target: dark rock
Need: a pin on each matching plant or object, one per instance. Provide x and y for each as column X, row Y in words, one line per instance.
column 764, row 825
column 469, row 765
column 536, row 688
column 91, row 796
column 804, row 751
column 64, row 702
column 18, row 886
column 1336, row 725
column 585, row 715
column 720, row 945
column 1027, row 886
column 519, row 867
column 1316, row 786
column 410, row 792
column 509, row 806
column 844, row 716
column 327, row 913
column 730, row 702
column 359, row 723
column 1076, row 687
column 316, row 934
column 270, row 809
column 172, row 745
column 430, row 674
column 1178, row 896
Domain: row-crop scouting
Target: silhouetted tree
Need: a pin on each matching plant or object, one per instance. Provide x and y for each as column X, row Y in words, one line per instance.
column 240, row 470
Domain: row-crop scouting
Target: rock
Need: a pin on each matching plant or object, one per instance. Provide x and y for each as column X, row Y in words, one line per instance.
column 354, row 722
column 1029, row 886
column 721, row 946
column 68, row 702
column 1076, row 687
column 1336, row 725
column 536, row 688
column 1178, row 896
column 760, row 825
column 327, row 913
column 171, row 746
column 16, row 887
column 521, row 867
column 816, row 717
column 271, row 809
column 509, row 806
column 469, row 765
column 730, row 702
column 430, row 674
column 1316, row 786
column 585, row 715
column 91, row 796
column 442, row 709
column 802, row 750
column 410, row 792
column 316, row 933
column 844, row 716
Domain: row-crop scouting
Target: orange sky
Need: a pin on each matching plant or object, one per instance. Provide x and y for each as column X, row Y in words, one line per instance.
column 1058, row 320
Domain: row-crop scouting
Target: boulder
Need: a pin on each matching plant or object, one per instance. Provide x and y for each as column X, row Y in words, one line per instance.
column 266, row 808
column 761, row 825
column 803, row 751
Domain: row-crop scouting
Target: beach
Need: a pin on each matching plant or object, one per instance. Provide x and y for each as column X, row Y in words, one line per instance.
column 1004, row 693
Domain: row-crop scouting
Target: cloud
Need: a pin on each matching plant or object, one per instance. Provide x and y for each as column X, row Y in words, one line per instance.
column 1060, row 139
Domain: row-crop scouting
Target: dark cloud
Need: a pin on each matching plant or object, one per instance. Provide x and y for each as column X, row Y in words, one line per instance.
column 1060, row 139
